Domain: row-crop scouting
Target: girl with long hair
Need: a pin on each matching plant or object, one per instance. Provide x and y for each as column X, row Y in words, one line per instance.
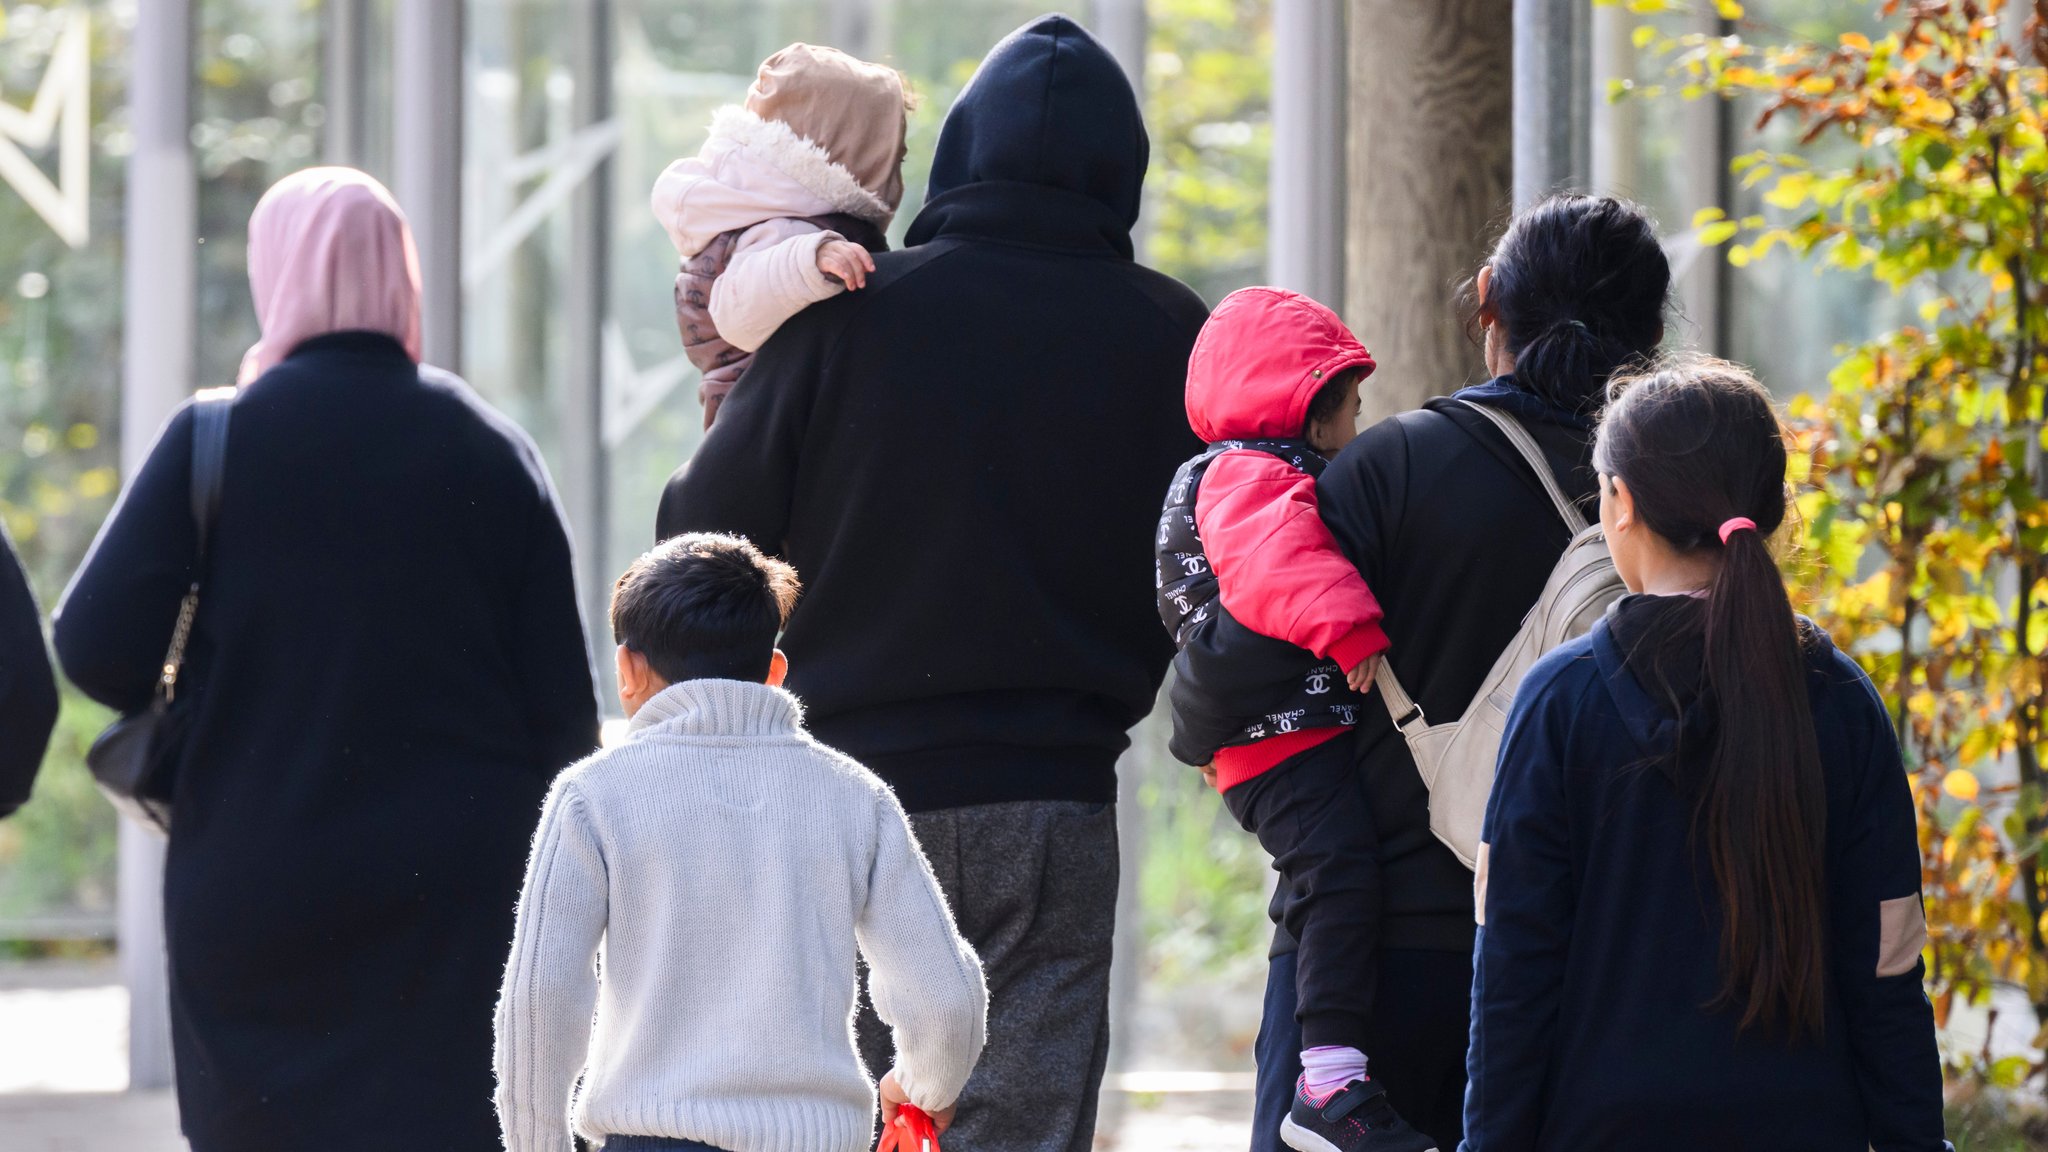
column 1699, row 895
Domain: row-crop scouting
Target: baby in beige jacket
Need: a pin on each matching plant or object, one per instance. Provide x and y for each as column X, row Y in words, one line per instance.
column 783, row 205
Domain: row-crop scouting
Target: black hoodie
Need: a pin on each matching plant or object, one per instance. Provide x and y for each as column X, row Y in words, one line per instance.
column 964, row 459
column 28, row 692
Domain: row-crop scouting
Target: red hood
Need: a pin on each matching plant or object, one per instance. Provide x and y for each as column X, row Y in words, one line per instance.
column 1263, row 355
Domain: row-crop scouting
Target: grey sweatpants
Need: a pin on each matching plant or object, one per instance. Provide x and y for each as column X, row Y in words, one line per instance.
column 1033, row 888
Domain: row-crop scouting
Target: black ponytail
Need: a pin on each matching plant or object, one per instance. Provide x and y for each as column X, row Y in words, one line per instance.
column 1701, row 449
column 1579, row 289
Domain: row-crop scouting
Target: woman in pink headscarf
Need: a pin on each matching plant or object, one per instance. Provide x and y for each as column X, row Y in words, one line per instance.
column 386, row 669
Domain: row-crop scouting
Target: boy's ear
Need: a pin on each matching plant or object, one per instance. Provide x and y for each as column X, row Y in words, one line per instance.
column 778, row 668
column 633, row 672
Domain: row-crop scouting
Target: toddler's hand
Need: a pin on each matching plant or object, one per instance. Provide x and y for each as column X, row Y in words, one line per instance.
column 846, row 262
column 1360, row 678
column 893, row 1100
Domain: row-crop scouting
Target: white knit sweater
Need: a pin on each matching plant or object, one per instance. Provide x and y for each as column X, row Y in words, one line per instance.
column 726, row 864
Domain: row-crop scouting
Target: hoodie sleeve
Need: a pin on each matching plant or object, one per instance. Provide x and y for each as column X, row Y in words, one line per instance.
column 925, row 979
column 1879, row 931
column 1525, row 899
column 773, row 275
column 28, row 692
column 1278, row 569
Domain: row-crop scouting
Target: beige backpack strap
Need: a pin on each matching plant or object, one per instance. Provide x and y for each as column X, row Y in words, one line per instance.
column 1533, row 455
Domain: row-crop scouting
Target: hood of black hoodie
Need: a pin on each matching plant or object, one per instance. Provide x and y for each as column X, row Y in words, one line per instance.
column 1046, row 143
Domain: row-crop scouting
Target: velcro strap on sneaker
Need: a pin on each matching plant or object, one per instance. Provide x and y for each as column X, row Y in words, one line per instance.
column 1351, row 1100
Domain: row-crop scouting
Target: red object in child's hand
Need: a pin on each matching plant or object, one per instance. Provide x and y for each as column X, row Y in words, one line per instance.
column 912, row 1131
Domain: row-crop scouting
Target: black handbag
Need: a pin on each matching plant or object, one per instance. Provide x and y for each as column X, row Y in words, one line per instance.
column 133, row 760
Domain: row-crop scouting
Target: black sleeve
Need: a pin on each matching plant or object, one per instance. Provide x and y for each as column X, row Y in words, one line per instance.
column 28, row 692
column 1356, row 495
column 115, row 620
column 551, row 651
column 743, row 477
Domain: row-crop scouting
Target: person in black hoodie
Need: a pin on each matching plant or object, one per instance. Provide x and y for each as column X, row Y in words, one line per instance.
column 28, row 692
column 1453, row 532
column 964, row 461
column 1699, row 888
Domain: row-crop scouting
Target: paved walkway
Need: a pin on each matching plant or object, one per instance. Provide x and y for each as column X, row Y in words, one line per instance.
column 63, row 1068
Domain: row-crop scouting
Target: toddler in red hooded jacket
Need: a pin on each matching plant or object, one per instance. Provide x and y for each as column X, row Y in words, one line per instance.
column 1278, row 636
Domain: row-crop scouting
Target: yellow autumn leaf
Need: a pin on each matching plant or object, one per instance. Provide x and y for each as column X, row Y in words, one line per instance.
column 1707, row 216
column 2001, row 281
column 1728, row 9
column 1856, row 41
column 1961, row 784
column 1642, row 36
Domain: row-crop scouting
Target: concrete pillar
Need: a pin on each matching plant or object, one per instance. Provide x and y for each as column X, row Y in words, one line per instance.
column 586, row 287
column 1305, row 190
column 1553, row 106
column 159, row 278
column 1430, row 165
column 426, row 106
column 344, row 94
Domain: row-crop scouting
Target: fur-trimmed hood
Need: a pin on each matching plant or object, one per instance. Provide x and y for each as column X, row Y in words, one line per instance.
column 751, row 170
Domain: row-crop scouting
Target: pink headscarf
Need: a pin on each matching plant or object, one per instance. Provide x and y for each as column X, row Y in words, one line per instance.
column 330, row 251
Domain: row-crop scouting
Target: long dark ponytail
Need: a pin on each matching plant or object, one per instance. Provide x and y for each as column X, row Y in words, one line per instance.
column 1699, row 445
column 1579, row 287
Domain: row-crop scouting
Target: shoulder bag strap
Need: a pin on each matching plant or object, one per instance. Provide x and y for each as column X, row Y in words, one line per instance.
column 1407, row 714
column 210, row 409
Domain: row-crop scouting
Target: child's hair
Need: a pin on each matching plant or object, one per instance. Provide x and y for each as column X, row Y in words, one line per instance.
column 704, row 606
column 1699, row 444
column 1580, row 287
column 1330, row 398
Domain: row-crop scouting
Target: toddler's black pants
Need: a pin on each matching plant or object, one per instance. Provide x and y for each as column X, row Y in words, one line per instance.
column 1308, row 811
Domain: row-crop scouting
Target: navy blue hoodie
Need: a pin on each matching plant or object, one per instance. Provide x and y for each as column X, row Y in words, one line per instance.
column 964, row 459
column 1600, row 936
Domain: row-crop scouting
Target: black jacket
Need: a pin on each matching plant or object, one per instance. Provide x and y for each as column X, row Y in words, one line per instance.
column 964, row 459
column 1232, row 685
column 1455, row 536
column 1603, row 928
column 28, row 693
column 388, row 668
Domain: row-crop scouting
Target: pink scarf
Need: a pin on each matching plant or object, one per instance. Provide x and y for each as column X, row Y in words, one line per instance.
column 330, row 251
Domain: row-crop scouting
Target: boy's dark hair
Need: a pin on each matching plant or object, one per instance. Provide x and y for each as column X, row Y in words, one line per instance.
column 704, row 606
column 1332, row 395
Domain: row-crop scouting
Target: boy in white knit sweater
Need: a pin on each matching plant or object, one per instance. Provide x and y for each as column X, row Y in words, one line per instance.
column 701, row 889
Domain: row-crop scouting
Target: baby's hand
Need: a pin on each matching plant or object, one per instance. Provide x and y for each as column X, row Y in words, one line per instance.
column 1360, row 678
column 846, row 262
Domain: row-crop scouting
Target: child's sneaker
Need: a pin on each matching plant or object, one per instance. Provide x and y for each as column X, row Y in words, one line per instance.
column 1356, row 1118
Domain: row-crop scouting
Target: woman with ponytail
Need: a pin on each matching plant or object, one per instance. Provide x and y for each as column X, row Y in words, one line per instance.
column 1699, row 894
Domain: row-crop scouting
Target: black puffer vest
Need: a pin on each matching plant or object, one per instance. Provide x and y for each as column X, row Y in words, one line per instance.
column 1232, row 685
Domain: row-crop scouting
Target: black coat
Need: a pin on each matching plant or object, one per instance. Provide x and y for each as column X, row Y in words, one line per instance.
column 28, row 693
column 964, row 460
column 1456, row 537
column 388, row 668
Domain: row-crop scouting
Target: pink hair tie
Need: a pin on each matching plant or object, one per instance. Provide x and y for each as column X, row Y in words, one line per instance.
column 1734, row 524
